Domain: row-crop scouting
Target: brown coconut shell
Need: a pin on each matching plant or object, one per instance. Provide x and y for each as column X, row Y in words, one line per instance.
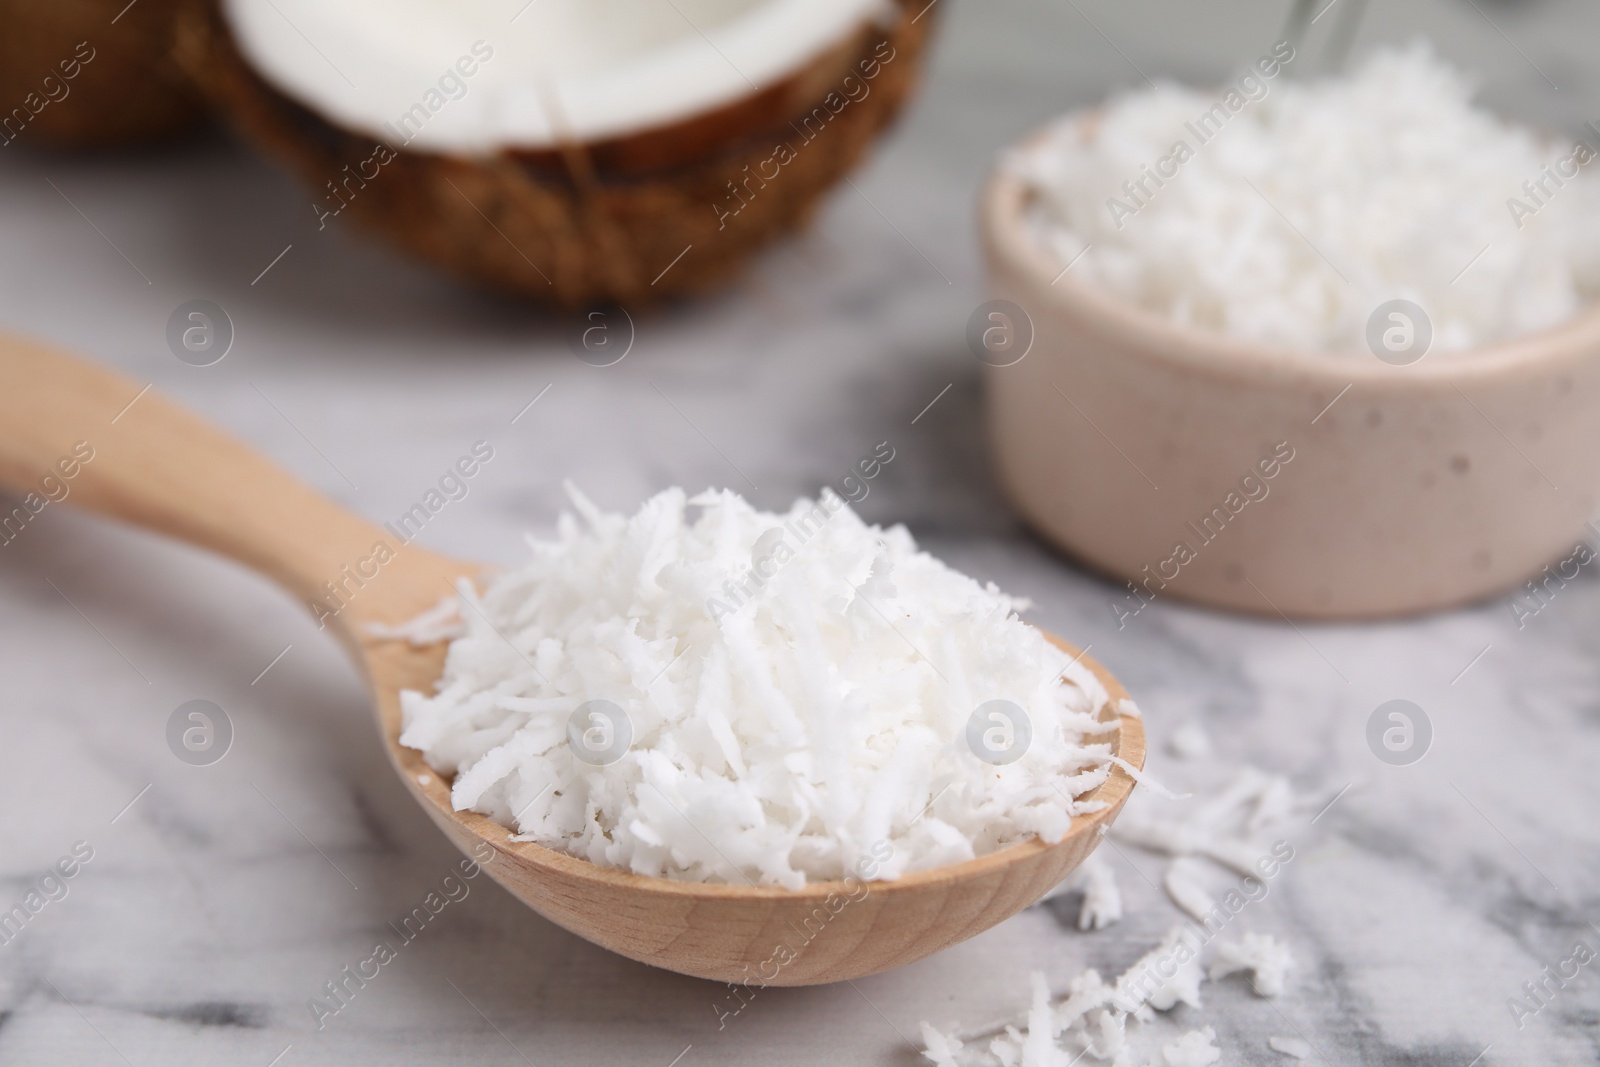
column 631, row 220
column 127, row 92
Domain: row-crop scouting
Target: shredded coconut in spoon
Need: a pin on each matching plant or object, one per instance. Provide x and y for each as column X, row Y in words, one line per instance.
column 708, row 692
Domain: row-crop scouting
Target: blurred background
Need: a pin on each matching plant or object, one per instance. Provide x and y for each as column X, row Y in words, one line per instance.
column 215, row 906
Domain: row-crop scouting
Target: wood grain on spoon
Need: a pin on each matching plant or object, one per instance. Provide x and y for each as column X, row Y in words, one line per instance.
column 160, row 467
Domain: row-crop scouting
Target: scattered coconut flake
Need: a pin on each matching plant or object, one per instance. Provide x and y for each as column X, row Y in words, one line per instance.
column 797, row 687
column 1290, row 218
column 1126, row 706
column 940, row 1048
column 1238, row 799
column 1107, row 1033
column 1173, row 837
column 1085, row 993
column 1261, row 955
column 1228, row 826
column 1194, row 1049
column 1186, row 885
column 1274, row 805
column 1233, row 828
column 1290, row 1046
column 1039, row 1046
column 1167, row 975
column 1189, row 742
column 1102, row 901
column 1091, row 1020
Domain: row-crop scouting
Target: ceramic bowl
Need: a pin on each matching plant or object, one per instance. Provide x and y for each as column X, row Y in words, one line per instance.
column 1192, row 465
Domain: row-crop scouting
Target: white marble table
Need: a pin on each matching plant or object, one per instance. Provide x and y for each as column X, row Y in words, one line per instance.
column 206, row 919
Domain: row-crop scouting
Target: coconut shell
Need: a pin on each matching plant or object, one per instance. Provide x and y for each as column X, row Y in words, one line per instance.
column 630, row 220
column 128, row 91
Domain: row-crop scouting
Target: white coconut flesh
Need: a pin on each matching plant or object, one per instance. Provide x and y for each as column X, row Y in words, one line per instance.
column 543, row 72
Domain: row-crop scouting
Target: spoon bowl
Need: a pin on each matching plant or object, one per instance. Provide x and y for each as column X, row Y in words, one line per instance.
column 155, row 465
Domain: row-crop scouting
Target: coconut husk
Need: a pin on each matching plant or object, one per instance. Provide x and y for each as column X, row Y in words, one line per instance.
column 630, row 221
column 128, row 91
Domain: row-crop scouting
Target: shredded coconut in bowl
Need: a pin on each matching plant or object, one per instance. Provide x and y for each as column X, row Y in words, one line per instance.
column 712, row 693
column 1286, row 212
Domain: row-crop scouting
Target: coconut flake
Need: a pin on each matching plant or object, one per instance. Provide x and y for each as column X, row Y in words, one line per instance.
column 1194, row 1049
column 442, row 622
column 1233, row 827
column 1261, row 955
column 1293, row 1047
column 1102, row 901
column 1186, row 886
column 1039, row 1046
column 940, row 1048
column 1090, row 1021
column 1167, row 975
column 1189, row 742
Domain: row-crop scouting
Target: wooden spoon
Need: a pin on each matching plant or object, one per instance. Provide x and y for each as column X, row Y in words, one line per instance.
column 159, row 467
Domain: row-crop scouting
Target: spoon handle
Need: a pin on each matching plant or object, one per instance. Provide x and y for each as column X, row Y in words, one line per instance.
column 72, row 432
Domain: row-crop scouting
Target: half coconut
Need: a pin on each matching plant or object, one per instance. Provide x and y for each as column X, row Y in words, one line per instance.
column 574, row 151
